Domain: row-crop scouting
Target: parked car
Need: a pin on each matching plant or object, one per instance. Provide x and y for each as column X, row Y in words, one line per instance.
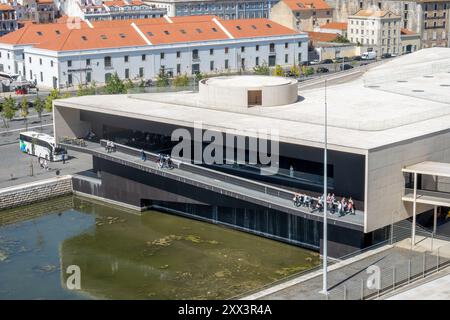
column 322, row 70
column 346, row 66
column 314, row 62
column 357, row 58
column 326, row 61
column 306, row 63
column 386, row 56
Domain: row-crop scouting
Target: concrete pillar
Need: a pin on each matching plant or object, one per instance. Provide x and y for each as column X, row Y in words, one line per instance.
column 435, row 220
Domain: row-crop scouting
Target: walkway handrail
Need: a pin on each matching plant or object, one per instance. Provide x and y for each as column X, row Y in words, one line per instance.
column 257, row 186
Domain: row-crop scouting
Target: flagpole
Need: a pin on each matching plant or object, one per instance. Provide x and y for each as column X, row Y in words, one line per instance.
column 325, row 204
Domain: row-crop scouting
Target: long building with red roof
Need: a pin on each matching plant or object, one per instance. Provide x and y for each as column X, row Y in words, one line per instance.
column 75, row 52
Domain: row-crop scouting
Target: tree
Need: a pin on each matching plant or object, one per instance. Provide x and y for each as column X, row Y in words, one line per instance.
column 279, row 72
column 308, row 71
column 48, row 105
column 39, row 107
column 262, row 69
column 8, row 110
column 114, row 85
column 128, row 85
column 24, row 111
column 340, row 39
column 162, row 80
column 295, row 70
column 181, row 81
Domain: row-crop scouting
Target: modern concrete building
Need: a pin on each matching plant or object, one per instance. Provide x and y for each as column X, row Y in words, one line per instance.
column 303, row 15
column 60, row 55
column 381, row 126
column 112, row 10
column 377, row 29
column 225, row 9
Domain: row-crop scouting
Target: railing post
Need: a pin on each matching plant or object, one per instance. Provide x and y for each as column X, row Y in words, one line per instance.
column 362, row 289
column 437, row 258
column 393, row 278
column 423, row 265
column 409, row 270
column 345, row 292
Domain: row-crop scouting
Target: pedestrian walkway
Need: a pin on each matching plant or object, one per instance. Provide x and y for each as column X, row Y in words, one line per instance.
column 248, row 190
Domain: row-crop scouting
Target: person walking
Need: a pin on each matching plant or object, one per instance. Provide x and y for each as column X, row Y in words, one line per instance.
column 64, row 158
column 143, row 155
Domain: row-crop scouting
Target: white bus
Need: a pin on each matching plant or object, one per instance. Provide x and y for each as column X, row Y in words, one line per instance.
column 41, row 145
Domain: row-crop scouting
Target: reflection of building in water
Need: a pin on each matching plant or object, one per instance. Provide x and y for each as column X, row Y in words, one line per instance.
column 378, row 124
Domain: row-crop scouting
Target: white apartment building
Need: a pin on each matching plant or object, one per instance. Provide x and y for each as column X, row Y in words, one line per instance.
column 53, row 55
column 376, row 29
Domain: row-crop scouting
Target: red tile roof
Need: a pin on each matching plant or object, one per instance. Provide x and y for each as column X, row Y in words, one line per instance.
column 335, row 25
column 121, row 33
column 322, row 36
column 407, row 32
column 297, row 5
column 5, row 7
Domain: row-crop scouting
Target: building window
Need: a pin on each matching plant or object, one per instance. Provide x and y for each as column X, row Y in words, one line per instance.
column 141, row 72
column 211, row 52
column 51, row 63
column 286, row 58
column 40, row 61
column 299, row 44
column 226, row 63
column 88, row 62
column 195, row 54
column 272, row 47
column 178, row 68
column 42, row 77
column 257, row 61
column 211, row 65
column 226, row 49
column 161, row 55
column 31, row 75
column 69, row 63
column 286, row 45
column 178, row 54
column 125, row 58
column 29, row 58
column 257, row 47
column 127, row 73
column 107, row 61
column 243, row 63
column 69, row 79
column 143, row 57
column 242, row 49
column 107, row 77
column 299, row 57
column 88, row 77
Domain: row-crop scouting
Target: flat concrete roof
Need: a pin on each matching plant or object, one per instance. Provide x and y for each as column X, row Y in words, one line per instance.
column 404, row 98
column 432, row 168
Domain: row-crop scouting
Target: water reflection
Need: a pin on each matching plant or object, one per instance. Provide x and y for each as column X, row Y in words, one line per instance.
column 126, row 256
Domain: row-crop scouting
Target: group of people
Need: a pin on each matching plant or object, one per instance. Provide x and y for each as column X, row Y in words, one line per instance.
column 164, row 161
column 110, row 146
column 43, row 163
column 342, row 207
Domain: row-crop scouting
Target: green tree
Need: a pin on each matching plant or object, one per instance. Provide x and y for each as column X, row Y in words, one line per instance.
column 39, row 107
column 279, row 72
column 308, row 71
column 181, row 81
column 128, row 85
column 8, row 111
column 295, row 70
column 48, row 105
column 340, row 39
column 24, row 112
column 162, row 80
column 262, row 69
column 114, row 85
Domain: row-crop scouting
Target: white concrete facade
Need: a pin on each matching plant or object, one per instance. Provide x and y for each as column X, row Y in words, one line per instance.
column 92, row 62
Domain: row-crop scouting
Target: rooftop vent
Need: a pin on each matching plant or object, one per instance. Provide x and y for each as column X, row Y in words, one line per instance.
column 39, row 33
column 84, row 38
column 104, row 37
column 199, row 30
column 253, row 26
column 183, row 31
column 214, row 29
column 122, row 35
column 238, row 27
column 150, row 34
column 268, row 25
column 166, row 32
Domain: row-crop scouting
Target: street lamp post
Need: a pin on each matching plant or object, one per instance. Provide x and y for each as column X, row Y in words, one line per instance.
column 325, row 205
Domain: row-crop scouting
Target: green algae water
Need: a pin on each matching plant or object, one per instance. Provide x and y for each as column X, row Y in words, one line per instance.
column 122, row 255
